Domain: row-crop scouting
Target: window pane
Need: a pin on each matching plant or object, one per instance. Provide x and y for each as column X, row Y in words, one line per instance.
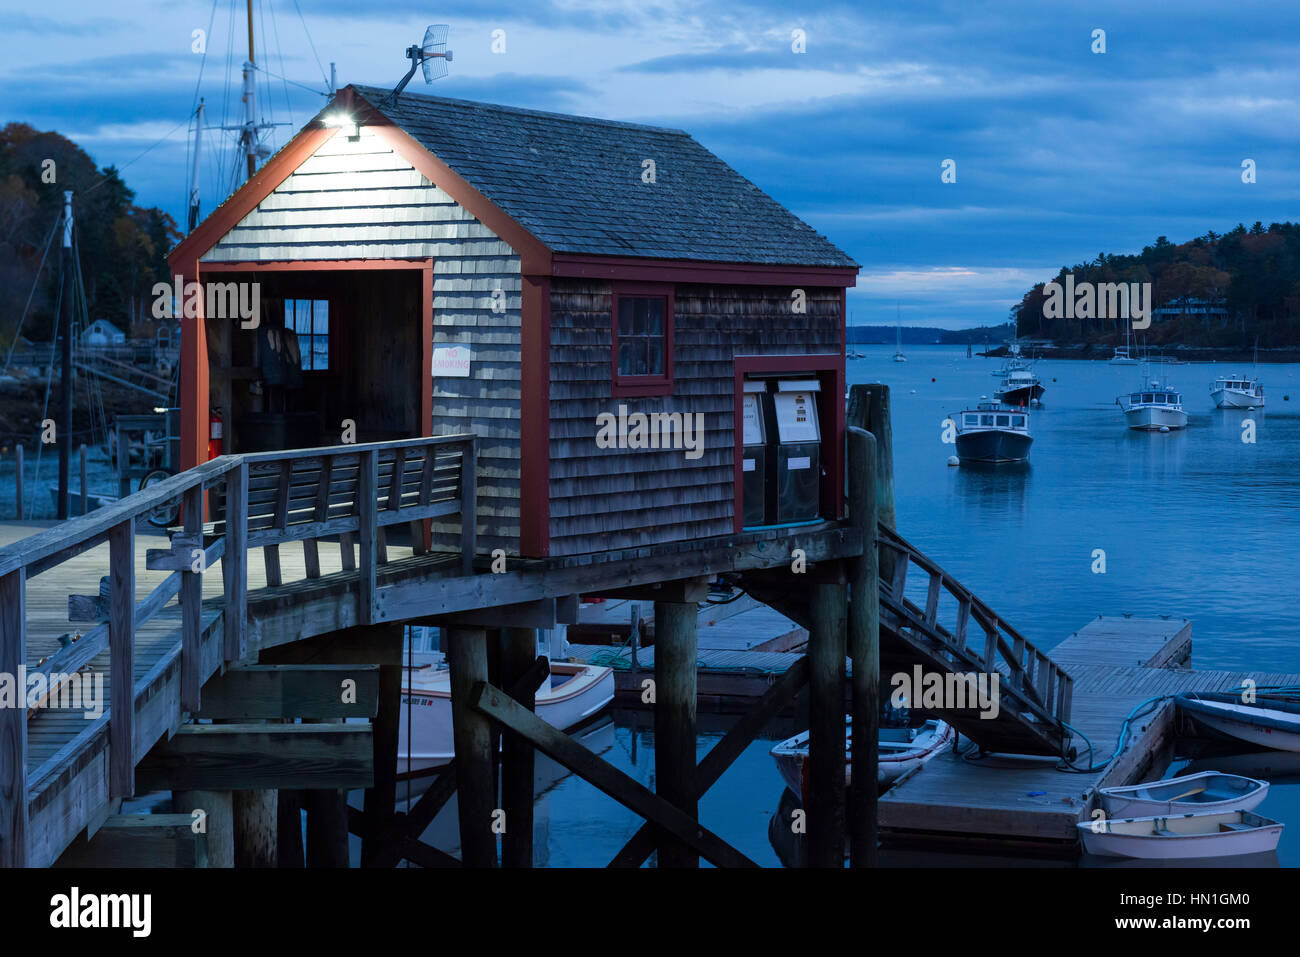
column 626, row 311
column 654, row 316
column 654, row 357
column 1003, row 420
column 320, row 316
column 986, row 420
column 631, row 357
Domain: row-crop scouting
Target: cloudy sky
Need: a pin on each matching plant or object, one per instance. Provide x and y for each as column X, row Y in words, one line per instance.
column 1060, row 152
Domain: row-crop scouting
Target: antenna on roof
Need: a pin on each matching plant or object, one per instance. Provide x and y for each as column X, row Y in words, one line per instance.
column 432, row 55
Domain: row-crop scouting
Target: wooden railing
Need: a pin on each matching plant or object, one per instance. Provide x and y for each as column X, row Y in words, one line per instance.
column 355, row 492
column 1030, row 675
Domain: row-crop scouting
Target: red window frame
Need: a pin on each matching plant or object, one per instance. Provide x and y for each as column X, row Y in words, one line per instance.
column 642, row 385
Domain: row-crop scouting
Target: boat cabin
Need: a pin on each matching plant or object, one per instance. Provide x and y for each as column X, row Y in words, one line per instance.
column 1248, row 387
column 993, row 415
column 1157, row 398
column 601, row 303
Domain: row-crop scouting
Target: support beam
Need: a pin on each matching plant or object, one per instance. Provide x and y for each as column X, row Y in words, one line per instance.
column 327, row 828
column 674, row 716
column 381, row 800
column 121, row 654
column 467, row 656
column 869, row 410
column 825, row 802
column 290, row 852
column 248, row 756
column 633, row 795
column 295, row 691
column 864, row 649
column 140, row 840
column 642, row 844
column 518, row 652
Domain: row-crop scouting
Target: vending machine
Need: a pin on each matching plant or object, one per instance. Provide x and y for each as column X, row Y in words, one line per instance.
column 754, row 458
column 797, row 451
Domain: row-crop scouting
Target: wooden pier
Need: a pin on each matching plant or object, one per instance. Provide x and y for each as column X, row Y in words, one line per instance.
column 1117, row 663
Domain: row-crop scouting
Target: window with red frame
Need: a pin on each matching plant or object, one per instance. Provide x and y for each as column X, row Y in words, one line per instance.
column 643, row 343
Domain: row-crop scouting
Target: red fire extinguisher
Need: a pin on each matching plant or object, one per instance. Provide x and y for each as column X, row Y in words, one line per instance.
column 214, row 435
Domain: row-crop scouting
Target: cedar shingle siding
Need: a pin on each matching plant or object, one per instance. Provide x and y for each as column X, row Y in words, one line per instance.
column 362, row 201
column 617, row 498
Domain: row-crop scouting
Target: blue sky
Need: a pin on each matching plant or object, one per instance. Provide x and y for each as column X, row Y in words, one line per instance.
column 1061, row 153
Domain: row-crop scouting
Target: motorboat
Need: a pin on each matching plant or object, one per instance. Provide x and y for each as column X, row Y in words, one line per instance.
column 899, row 750
column 1237, row 392
column 1020, row 386
column 1205, row 793
column 572, row 694
column 1156, row 407
column 1171, row 837
column 1270, row 721
column 991, row 434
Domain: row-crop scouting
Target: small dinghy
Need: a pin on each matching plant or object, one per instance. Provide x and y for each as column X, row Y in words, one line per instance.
column 1210, row 792
column 899, row 750
column 1269, row 721
column 1185, row 836
column 572, row 694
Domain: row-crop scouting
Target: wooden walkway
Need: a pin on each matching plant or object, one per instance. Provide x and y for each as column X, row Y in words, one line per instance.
column 1117, row 663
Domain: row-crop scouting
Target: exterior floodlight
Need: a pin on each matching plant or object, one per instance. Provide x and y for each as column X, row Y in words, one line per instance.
column 343, row 121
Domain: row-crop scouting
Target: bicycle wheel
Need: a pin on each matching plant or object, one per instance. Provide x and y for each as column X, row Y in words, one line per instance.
column 168, row 513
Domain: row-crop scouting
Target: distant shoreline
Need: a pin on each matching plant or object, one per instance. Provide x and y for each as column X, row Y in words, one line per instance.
column 1098, row 353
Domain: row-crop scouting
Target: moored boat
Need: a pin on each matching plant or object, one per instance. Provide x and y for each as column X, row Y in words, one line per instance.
column 1268, row 721
column 573, row 693
column 1020, row 387
column 1237, row 392
column 1209, row 792
column 899, row 750
column 1156, row 407
column 992, row 434
column 1171, row 837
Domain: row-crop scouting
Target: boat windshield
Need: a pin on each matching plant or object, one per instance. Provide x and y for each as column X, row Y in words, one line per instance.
column 970, row 419
column 986, row 420
column 1004, row 421
column 1018, row 421
column 1148, row 397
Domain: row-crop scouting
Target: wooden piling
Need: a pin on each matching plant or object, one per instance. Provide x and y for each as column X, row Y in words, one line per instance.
column 472, row 737
column 518, row 651
column 824, row 802
column 218, row 820
column 290, row 852
column 869, row 410
column 674, row 717
column 327, row 827
column 864, row 649
column 256, row 824
column 380, row 801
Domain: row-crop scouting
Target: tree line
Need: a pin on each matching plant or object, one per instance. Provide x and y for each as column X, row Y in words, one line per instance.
column 1253, row 274
column 122, row 246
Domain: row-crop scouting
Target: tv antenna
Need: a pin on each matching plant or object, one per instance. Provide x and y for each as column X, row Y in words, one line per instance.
column 432, row 56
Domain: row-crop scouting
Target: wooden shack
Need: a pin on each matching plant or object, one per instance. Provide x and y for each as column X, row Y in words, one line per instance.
column 447, row 266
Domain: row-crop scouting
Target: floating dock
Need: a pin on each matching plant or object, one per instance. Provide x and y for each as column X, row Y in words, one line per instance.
column 1117, row 663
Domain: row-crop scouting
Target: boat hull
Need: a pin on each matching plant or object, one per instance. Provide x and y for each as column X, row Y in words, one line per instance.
column 1149, row 418
column 893, row 761
column 576, row 694
column 1233, row 399
column 1209, row 792
column 1022, row 395
column 1269, row 724
column 992, row 447
column 1184, row 836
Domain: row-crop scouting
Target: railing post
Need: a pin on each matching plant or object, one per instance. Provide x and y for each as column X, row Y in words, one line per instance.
column 367, row 480
column 18, row 501
column 191, row 600
column 121, row 655
column 13, row 721
column 234, row 563
column 85, row 495
column 864, row 647
column 468, row 506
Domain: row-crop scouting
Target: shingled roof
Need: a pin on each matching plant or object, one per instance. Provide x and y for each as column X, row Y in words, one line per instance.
column 575, row 183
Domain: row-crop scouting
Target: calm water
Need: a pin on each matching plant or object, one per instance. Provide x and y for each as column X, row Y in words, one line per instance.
column 1194, row 524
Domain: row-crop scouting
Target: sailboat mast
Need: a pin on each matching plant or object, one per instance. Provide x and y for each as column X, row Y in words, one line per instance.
column 194, row 173
column 249, row 137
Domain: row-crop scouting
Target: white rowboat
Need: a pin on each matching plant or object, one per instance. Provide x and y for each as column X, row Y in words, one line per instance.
column 1210, row 792
column 1269, row 722
column 899, row 750
column 1184, row 836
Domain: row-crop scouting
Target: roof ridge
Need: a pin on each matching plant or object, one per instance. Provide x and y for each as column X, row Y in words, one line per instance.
column 376, row 95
